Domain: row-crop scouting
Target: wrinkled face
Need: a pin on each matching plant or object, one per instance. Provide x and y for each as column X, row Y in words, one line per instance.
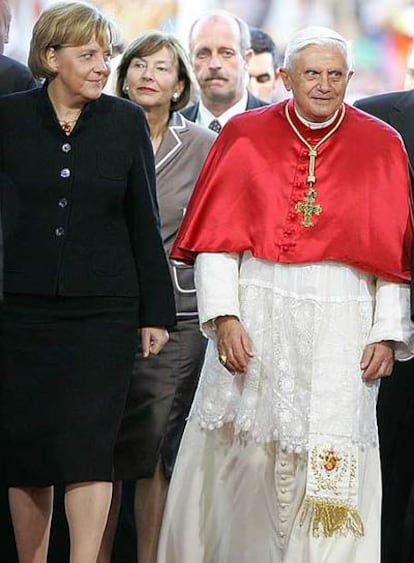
column 262, row 76
column 218, row 63
column 82, row 71
column 153, row 80
column 318, row 81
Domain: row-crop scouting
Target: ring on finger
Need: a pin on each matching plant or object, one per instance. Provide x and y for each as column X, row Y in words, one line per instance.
column 223, row 359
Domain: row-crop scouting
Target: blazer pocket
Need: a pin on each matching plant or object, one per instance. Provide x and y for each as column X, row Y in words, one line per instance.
column 112, row 165
column 183, row 278
column 184, row 289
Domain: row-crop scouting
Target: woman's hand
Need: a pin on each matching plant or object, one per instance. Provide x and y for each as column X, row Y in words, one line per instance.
column 233, row 344
column 153, row 340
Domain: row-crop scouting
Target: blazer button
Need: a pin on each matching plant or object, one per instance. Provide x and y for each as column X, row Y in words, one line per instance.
column 66, row 147
column 63, row 202
column 65, row 173
column 59, row 231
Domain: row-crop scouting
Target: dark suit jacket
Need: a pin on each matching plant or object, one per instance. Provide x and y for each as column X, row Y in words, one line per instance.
column 397, row 109
column 14, row 77
column 191, row 112
column 80, row 213
column 395, row 408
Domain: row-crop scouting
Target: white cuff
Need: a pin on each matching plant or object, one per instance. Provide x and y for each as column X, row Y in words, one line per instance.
column 392, row 318
column 217, row 284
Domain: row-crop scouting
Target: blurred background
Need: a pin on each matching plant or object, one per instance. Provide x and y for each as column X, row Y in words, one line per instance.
column 381, row 31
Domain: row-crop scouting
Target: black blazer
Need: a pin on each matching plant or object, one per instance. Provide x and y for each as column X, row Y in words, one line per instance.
column 191, row 112
column 79, row 212
column 14, row 77
column 396, row 109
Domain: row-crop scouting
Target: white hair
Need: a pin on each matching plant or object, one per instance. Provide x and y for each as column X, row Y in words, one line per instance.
column 316, row 35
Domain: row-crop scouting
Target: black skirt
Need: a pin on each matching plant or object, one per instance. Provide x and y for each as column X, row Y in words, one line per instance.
column 65, row 366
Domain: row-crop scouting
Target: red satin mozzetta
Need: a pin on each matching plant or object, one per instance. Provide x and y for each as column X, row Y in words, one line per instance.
column 247, row 195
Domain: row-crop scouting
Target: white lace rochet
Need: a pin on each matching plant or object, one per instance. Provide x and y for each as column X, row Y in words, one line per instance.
column 309, row 325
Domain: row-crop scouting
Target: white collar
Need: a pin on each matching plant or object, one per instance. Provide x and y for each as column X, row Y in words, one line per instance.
column 205, row 117
column 314, row 125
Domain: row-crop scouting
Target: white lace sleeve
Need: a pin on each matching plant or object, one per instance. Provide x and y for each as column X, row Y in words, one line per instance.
column 392, row 318
column 217, row 283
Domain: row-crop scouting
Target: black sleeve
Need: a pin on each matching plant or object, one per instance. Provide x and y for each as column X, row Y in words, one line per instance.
column 157, row 306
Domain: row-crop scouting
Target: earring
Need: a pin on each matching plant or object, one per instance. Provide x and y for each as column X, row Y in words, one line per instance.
column 175, row 97
column 125, row 89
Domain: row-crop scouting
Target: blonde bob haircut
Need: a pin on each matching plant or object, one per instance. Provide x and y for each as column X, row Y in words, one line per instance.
column 66, row 24
column 147, row 44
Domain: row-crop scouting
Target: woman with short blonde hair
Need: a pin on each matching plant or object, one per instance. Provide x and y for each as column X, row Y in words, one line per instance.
column 84, row 269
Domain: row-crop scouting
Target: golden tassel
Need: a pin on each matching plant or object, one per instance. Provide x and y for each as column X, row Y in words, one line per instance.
column 331, row 518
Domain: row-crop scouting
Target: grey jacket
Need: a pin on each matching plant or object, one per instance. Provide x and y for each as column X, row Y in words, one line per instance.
column 177, row 164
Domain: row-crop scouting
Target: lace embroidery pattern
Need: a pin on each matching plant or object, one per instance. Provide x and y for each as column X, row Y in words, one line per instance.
column 293, row 339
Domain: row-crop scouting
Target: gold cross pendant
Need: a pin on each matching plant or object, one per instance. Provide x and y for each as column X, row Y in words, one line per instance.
column 308, row 208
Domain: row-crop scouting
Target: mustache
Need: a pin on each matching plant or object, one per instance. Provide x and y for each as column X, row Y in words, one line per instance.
column 213, row 76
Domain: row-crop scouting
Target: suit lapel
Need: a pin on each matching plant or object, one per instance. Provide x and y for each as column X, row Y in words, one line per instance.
column 171, row 144
column 191, row 112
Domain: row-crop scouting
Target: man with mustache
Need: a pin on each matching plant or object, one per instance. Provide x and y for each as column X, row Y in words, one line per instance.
column 220, row 50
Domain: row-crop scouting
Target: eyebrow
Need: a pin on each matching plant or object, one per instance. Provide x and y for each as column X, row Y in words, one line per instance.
column 157, row 61
column 92, row 50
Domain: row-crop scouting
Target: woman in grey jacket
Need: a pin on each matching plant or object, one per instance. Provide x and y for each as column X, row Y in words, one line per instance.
column 155, row 73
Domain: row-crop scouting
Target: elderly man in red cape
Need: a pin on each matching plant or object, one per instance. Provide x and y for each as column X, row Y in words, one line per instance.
column 300, row 227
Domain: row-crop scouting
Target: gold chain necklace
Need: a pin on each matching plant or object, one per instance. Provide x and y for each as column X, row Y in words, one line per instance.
column 307, row 206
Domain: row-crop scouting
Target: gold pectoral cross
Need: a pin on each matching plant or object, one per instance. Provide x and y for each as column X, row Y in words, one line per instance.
column 308, row 208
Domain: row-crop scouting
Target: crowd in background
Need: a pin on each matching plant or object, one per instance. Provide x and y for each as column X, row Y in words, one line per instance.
column 380, row 30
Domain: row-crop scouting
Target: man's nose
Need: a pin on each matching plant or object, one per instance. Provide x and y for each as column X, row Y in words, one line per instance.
column 215, row 61
column 324, row 81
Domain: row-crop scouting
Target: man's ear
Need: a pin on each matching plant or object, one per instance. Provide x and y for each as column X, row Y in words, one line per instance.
column 284, row 75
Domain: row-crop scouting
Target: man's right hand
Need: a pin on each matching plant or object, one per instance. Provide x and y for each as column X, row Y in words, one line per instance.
column 233, row 344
